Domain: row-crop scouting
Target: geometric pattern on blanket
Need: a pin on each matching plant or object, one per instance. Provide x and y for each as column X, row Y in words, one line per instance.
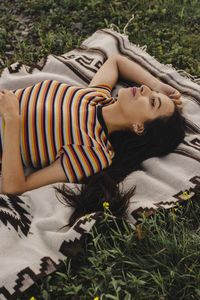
column 12, row 213
column 35, row 246
column 34, row 239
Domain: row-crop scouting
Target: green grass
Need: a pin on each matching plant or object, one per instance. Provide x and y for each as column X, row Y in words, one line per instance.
column 115, row 263
column 170, row 29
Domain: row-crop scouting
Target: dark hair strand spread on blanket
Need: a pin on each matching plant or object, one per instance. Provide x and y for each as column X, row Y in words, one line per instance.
column 161, row 137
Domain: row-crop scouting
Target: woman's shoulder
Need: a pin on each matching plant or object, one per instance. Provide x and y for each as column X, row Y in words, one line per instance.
column 103, row 86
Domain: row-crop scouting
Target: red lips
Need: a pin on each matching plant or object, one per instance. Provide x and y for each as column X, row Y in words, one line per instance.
column 134, row 91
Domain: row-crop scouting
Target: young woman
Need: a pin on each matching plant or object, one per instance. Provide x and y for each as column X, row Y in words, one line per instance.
column 72, row 133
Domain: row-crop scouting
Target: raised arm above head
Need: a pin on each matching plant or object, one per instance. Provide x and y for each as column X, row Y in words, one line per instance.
column 118, row 66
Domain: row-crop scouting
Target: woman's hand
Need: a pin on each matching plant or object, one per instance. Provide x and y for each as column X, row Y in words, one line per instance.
column 9, row 104
column 171, row 93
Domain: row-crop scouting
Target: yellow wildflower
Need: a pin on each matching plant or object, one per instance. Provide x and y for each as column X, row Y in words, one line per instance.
column 96, row 298
column 106, row 205
column 175, row 208
column 32, row 298
column 87, row 217
column 185, row 196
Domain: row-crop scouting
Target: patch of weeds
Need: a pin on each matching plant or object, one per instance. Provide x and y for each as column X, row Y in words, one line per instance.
column 166, row 27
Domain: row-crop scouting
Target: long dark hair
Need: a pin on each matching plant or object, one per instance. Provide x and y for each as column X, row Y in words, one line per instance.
column 161, row 136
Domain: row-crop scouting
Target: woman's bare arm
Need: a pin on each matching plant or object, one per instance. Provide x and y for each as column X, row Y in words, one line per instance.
column 13, row 179
column 119, row 66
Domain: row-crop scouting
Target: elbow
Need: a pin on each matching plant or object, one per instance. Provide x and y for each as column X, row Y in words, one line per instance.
column 115, row 57
column 13, row 190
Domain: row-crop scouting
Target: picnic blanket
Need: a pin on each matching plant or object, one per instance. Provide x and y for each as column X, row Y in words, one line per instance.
column 32, row 241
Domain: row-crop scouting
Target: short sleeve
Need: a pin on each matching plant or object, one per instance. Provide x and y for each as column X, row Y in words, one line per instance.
column 80, row 161
column 103, row 88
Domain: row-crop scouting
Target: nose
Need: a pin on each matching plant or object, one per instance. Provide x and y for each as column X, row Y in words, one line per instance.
column 144, row 89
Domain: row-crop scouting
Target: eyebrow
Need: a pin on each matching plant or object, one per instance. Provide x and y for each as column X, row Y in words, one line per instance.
column 159, row 101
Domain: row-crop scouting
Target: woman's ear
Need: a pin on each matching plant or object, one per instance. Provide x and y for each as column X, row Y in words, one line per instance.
column 138, row 128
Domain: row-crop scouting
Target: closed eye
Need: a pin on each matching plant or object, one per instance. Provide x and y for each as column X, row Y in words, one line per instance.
column 153, row 101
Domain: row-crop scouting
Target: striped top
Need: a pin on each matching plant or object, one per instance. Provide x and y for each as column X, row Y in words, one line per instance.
column 63, row 121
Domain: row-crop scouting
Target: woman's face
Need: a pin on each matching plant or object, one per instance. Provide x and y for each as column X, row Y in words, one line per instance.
column 141, row 104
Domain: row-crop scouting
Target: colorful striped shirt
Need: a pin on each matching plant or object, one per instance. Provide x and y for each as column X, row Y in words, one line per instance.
column 63, row 121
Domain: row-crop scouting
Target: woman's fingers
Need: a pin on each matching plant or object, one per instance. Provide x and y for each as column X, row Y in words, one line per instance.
column 176, row 94
column 178, row 102
column 5, row 92
column 179, row 106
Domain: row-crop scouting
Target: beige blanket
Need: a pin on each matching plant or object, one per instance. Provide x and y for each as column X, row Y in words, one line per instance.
column 32, row 245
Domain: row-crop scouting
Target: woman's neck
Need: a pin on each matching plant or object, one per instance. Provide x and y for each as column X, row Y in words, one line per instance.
column 112, row 118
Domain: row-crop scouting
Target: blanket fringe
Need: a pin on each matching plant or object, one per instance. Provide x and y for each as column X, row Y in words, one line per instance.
column 192, row 78
column 115, row 28
column 129, row 21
